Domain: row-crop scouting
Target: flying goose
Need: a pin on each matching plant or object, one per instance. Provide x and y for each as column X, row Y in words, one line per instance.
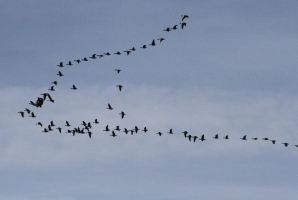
column 109, row 107
column 95, row 121
column 118, row 70
column 170, row 132
column 202, row 138
column 184, row 17
column 60, row 65
column 55, row 83
column 107, row 128
column 113, row 134
column 243, row 138
column 93, row 56
column 69, row 63
column 120, row 87
column 152, row 43
column 73, row 87
column 160, row 39
column 122, row 114
column 60, row 74
column 78, row 61
column 39, row 123
column 22, row 113
column 145, row 129
column 67, row 124
column 52, row 88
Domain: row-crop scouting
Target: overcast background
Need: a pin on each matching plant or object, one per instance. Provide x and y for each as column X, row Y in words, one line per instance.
column 231, row 71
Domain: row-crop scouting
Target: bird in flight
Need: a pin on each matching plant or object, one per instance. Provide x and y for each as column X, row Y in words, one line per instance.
column 117, row 128
column 183, row 24
column 78, row 61
column 22, row 113
column 167, row 29
column 52, row 88
column 273, row 141
column 52, row 123
column 69, row 63
column 132, row 49
column 118, row 70
column 67, row 124
column 59, row 129
column 107, row 54
column 286, row 144
column 93, row 56
column 60, row 65
column 120, row 87
column 144, row 46
column 202, row 138
column 226, row 137
column 39, row 123
column 109, row 107
column 216, row 136
column 189, row 137
column 117, row 53
column 85, row 59
column 73, row 87
column 107, row 128
column 195, row 138
column 125, row 130
column 95, row 121
column 152, row 43
column 113, row 134
column 27, row 110
column 185, row 133
column 55, row 83
column 159, row 133
column 60, row 74
column 170, row 131
column 122, row 114
column 254, row 138
column 160, row 39
column 127, row 52
column 32, row 115
column 174, row 27
column 184, row 17
column 243, row 138
column 145, row 129
column 265, row 139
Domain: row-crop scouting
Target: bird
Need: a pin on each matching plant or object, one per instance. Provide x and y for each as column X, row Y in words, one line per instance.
column 254, row 138
column 183, row 24
column 202, row 138
column 243, row 138
column 95, row 121
column 189, row 137
column 84, row 123
column 78, row 61
column 216, row 136
column 118, row 70
column 117, row 53
column 100, row 56
column 85, row 59
column 167, row 29
column 32, row 115
column 185, row 133
column 67, row 123
column 184, row 17
column 125, row 130
column 45, row 130
column 50, row 98
column 107, row 54
column 109, row 107
column 273, row 141
column 69, row 63
column 286, row 144
column 145, row 129
column 152, row 43
column 52, row 123
column 122, row 114
column 39, row 123
column 22, row 113
column 174, row 27
column 50, row 128
column 107, row 128
column 117, row 128
column 55, row 83
column 93, row 56
column 27, row 110
column 127, row 52
column 195, row 138
column 170, row 131
column 131, row 131
column 265, row 139
column 160, row 39
column 144, row 46
column 120, row 87
column 59, row 129
column 73, row 87
column 226, row 137
column 52, row 88
column 60, row 65
column 60, row 74
column 136, row 129
column 113, row 134
column 89, row 133
column 132, row 49
column 159, row 133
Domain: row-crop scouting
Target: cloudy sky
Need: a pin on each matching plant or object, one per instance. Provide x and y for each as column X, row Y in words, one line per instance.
column 231, row 71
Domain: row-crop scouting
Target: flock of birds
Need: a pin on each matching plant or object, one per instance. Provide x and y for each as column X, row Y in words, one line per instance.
column 87, row 126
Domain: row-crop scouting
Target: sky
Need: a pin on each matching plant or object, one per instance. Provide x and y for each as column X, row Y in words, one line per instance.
column 231, row 71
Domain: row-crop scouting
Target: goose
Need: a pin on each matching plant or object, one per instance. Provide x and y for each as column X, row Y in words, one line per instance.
column 184, row 17
column 32, row 103
column 131, row 131
column 89, row 133
column 89, row 125
column 226, row 137
column 174, row 27
column 189, row 137
column 22, row 113
column 185, row 133
column 136, row 129
column 52, row 88
column 60, row 65
column 117, row 128
column 73, row 87
column 100, row 56
column 107, row 128
column 39, row 123
column 44, row 95
column 109, row 107
column 145, row 129
column 117, row 53
column 243, row 138
column 265, row 139
column 132, row 49
column 167, row 29
column 144, row 46
column 107, row 54
column 122, row 114
column 183, row 24
column 50, row 128
column 84, row 123
column 286, row 144
column 118, row 70
column 202, row 138
column 152, row 43
column 52, row 123
column 254, row 138
column 125, row 130
column 170, row 132
column 59, row 129
column 50, row 98
column 120, row 87
column 55, row 83
column 45, row 130
column 78, row 61
column 69, row 63
column 93, row 56
column 195, row 138
column 32, row 115
column 160, row 39
column 273, row 141
column 127, row 52
column 60, row 74
column 159, row 133
column 216, row 136
column 113, row 134
column 85, row 59
column 95, row 121
column 67, row 124
column 27, row 110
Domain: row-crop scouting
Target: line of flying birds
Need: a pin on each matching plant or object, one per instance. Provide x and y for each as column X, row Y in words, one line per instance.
column 87, row 125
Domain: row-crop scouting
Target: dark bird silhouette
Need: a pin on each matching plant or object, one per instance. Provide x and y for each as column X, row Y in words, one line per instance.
column 73, row 87
column 69, row 63
column 160, row 39
column 100, row 56
column 127, row 52
column 44, row 95
column 93, row 56
column 39, row 123
column 226, row 137
column 132, row 49
column 184, row 17
column 32, row 103
column 117, row 70
column 52, row 88
column 131, row 131
column 170, row 131
column 60, row 65
column 50, row 128
column 159, row 133
column 109, row 107
column 55, row 83
column 84, row 123
column 273, row 141
column 22, row 113
column 60, row 74
column 195, row 138
column 216, row 136
column 202, row 138
column 183, row 24
column 286, row 144
column 254, row 138
column 52, row 123
column 113, row 134
column 152, row 43
column 107, row 128
column 174, row 27
column 95, row 121
column 78, row 61
column 167, row 29
column 189, row 137
column 89, row 133
column 50, row 98
column 120, row 87
column 122, row 114
column 136, row 129
column 144, row 46
column 85, row 59
column 67, row 124
column 145, row 129
column 117, row 128
column 107, row 54
column 243, row 138
column 32, row 115
column 27, row 110
column 265, row 139
column 59, row 129
column 45, row 130
column 125, row 130
column 185, row 133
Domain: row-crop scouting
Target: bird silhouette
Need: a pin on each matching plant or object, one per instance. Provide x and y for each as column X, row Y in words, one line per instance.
column 89, row 133
column 132, row 49
column 202, row 138
column 195, row 138
column 185, row 133
column 183, row 24
column 73, row 87
column 117, row 128
column 174, row 27
column 78, row 61
column 127, row 52
column 45, row 130
column 27, row 110
column 117, row 70
column 145, row 129
column 59, row 129
column 93, row 56
column 50, row 98
column 107, row 128
column 170, row 131
column 254, row 138
column 120, row 87
column 189, row 137
column 85, row 59
column 265, row 139
column 52, row 123
column 184, row 17
column 22, row 113
column 167, row 29
column 109, row 107
column 296, row 145
column 60, row 74
column 160, row 39
column 243, row 138
column 32, row 115
column 136, row 129
column 273, row 141
column 55, row 83
column 95, row 121
column 152, row 43
column 117, row 53
column 143, row 47
column 216, row 136
column 60, row 65
column 50, row 128
column 286, row 144
column 39, row 123
column 67, row 124
column 52, row 88
column 122, row 114
column 125, row 130
column 107, row 54
column 159, row 133
column 100, row 56
column 69, row 63
column 226, row 137
column 113, row 134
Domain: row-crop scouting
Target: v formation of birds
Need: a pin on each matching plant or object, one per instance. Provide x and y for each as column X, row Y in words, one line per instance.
column 86, row 126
